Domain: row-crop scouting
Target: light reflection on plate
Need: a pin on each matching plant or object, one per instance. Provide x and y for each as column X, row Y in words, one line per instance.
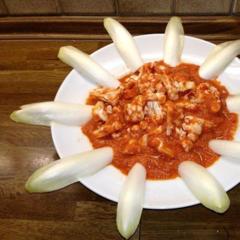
column 107, row 183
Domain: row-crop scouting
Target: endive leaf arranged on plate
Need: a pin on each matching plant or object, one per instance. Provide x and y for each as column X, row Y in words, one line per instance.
column 84, row 64
column 173, row 42
column 66, row 171
column 204, row 186
column 226, row 148
column 124, row 43
column 233, row 103
column 130, row 202
column 45, row 113
column 218, row 59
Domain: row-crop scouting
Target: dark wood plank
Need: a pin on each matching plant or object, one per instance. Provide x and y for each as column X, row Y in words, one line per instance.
column 21, row 229
column 38, row 55
column 193, row 223
column 217, row 28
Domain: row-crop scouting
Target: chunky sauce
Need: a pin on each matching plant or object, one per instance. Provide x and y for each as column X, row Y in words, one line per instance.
column 160, row 116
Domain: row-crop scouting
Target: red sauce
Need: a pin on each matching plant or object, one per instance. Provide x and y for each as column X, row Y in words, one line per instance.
column 161, row 116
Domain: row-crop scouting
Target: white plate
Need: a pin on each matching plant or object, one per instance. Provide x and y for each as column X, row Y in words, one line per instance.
column 107, row 183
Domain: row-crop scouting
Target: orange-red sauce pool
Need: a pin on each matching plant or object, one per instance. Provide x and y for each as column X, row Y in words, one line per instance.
column 160, row 116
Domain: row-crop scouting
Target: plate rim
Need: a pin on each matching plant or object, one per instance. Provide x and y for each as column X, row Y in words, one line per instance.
column 90, row 187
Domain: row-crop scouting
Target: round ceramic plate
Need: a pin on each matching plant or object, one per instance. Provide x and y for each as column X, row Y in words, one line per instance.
column 163, row 194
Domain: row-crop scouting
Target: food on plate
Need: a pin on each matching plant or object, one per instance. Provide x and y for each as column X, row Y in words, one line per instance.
column 66, row 171
column 83, row 63
column 164, row 119
column 45, row 113
column 173, row 42
column 219, row 58
column 233, row 103
column 124, row 43
column 204, row 186
column 130, row 202
column 226, row 148
column 160, row 116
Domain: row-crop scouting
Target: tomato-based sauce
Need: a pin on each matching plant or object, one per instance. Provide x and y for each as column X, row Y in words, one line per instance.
column 160, row 116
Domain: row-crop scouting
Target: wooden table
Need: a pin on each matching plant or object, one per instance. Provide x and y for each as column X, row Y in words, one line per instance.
column 30, row 72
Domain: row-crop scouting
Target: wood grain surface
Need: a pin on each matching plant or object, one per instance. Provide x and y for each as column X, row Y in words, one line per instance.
column 31, row 72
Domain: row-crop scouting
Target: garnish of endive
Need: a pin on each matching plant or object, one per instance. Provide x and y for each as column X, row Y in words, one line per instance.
column 124, row 43
column 45, row 113
column 204, row 186
column 83, row 63
column 66, row 171
column 130, row 202
column 226, row 148
column 233, row 103
column 173, row 42
column 218, row 59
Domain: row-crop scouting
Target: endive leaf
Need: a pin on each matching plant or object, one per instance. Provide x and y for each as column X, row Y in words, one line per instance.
column 204, row 186
column 83, row 63
column 233, row 103
column 218, row 59
column 226, row 148
column 66, row 171
column 173, row 42
column 46, row 112
column 218, row 48
column 131, row 200
column 124, row 43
